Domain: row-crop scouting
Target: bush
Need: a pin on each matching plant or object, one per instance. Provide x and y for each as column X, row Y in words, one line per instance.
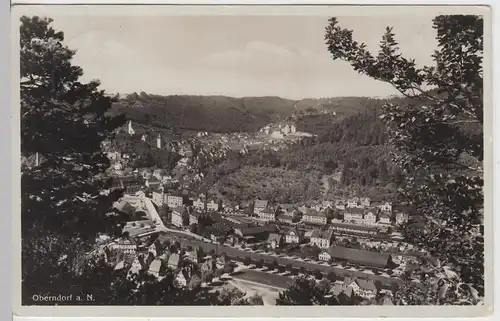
column 247, row 261
column 317, row 274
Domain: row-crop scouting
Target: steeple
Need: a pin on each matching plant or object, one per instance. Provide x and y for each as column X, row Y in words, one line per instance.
column 130, row 130
column 158, row 141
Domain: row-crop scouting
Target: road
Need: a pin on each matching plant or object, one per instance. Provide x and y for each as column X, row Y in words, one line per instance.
column 239, row 255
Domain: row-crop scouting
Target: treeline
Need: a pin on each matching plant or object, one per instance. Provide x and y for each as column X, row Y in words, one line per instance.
column 204, row 113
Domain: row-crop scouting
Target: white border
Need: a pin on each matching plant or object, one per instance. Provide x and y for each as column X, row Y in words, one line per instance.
column 249, row 311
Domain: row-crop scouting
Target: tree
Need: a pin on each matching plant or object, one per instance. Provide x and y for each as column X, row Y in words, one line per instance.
column 437, row 129
column 305, row 291
column 317, row 274
column 331, row 276
column 193, row 228
column 66, row 198
column 207, row 277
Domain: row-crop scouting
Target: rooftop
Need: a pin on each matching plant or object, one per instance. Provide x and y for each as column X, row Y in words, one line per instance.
column 359, row 256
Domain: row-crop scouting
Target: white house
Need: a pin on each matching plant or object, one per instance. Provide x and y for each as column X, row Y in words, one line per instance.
column 386, row 207
column 370, row 217
column 294, row 237
column 180, row 280
column 322, row 239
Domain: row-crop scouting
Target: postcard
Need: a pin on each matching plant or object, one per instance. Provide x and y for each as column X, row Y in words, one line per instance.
column 304, row 161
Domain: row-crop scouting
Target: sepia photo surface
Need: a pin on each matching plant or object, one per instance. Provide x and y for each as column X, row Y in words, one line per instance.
column 252, row 161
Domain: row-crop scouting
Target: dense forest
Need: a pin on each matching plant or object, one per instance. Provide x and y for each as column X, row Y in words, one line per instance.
column 227, row 114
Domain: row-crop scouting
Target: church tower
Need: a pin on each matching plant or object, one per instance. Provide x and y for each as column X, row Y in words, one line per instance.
column 158, row 141
column 130, row 130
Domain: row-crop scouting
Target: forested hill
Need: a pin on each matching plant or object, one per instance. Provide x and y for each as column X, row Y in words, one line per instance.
column 227, row 114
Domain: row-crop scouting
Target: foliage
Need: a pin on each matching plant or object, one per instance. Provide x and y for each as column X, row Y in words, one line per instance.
column 435, row 129
column 305, row 291
column 65, row 200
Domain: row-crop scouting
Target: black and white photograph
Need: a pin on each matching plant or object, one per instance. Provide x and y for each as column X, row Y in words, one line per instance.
column 280, row 159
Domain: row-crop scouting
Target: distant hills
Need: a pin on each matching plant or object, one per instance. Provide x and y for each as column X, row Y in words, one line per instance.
column 228, row 114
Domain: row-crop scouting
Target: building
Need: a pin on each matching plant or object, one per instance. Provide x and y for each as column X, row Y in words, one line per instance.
column 158, row 197
column 365, row 201
column 313, row 216
column 213, row 206
column 322, row 239
column 386, row 207
column 384, row 218
column 175, row 200
column 277, row 135
column 287, row 209
column 124, row 246
column 259, row 206
column 258, row 232
column 268, row 214
column 370, row 216
column 286, row 129
column 179, row 216
column 152, row 183
column 173, row 261
column 275, row 240
column 353, row 202
column 361, row 257
column 353, row 215
column 130, row 130
column 353, row 229
column 199, row 205
column 340, row 205
column 158, row 141
column 401, row 218
column 154, row 268
column 294, row 236
column 180, row 280
column 284, row 219
column 193, row 217
column 293, row 129
column 363, row 288
column 324, row 256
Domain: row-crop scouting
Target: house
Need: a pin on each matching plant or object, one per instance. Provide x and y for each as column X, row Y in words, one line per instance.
column 401, row 217
column 194, row 217
column 192, row 255
column 340, row 205
column 174, row 200
column 258, row 232
column 363, row 288
column 361, row 257
column 152, row 183
column 124, row 207
column 221, row 261
column 157, row 173
column 275, row 240
column 314, row 217
column 386, row 207
column 324, row 256
column 208, row 265
column 322, row 239
column 179, row 216
column 370, row 216
column 259, row 206
column 173, row 261
column 158, row 198
column 154, row 268
column 268, row 214
column 284, row 219
column 364, row 201
column 199, row 205
column 214, row 206
column 384, row 218
column 353, row 215
column 287, row 209
column 294, row 236
column 124, row 246
column 180, row 280
column 353, row 202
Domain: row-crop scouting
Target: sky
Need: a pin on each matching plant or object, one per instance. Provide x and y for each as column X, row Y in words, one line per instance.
column 234, row 55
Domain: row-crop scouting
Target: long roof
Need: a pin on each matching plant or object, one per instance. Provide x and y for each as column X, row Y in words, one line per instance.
column 326, row 234
column 359, row 256
column 261, row 203
column 354, row 226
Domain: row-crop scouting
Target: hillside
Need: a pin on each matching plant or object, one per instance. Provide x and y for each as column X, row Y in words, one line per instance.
column 226, row 114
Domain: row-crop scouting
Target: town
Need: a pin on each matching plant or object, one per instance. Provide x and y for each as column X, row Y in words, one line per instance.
column 354, row 242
